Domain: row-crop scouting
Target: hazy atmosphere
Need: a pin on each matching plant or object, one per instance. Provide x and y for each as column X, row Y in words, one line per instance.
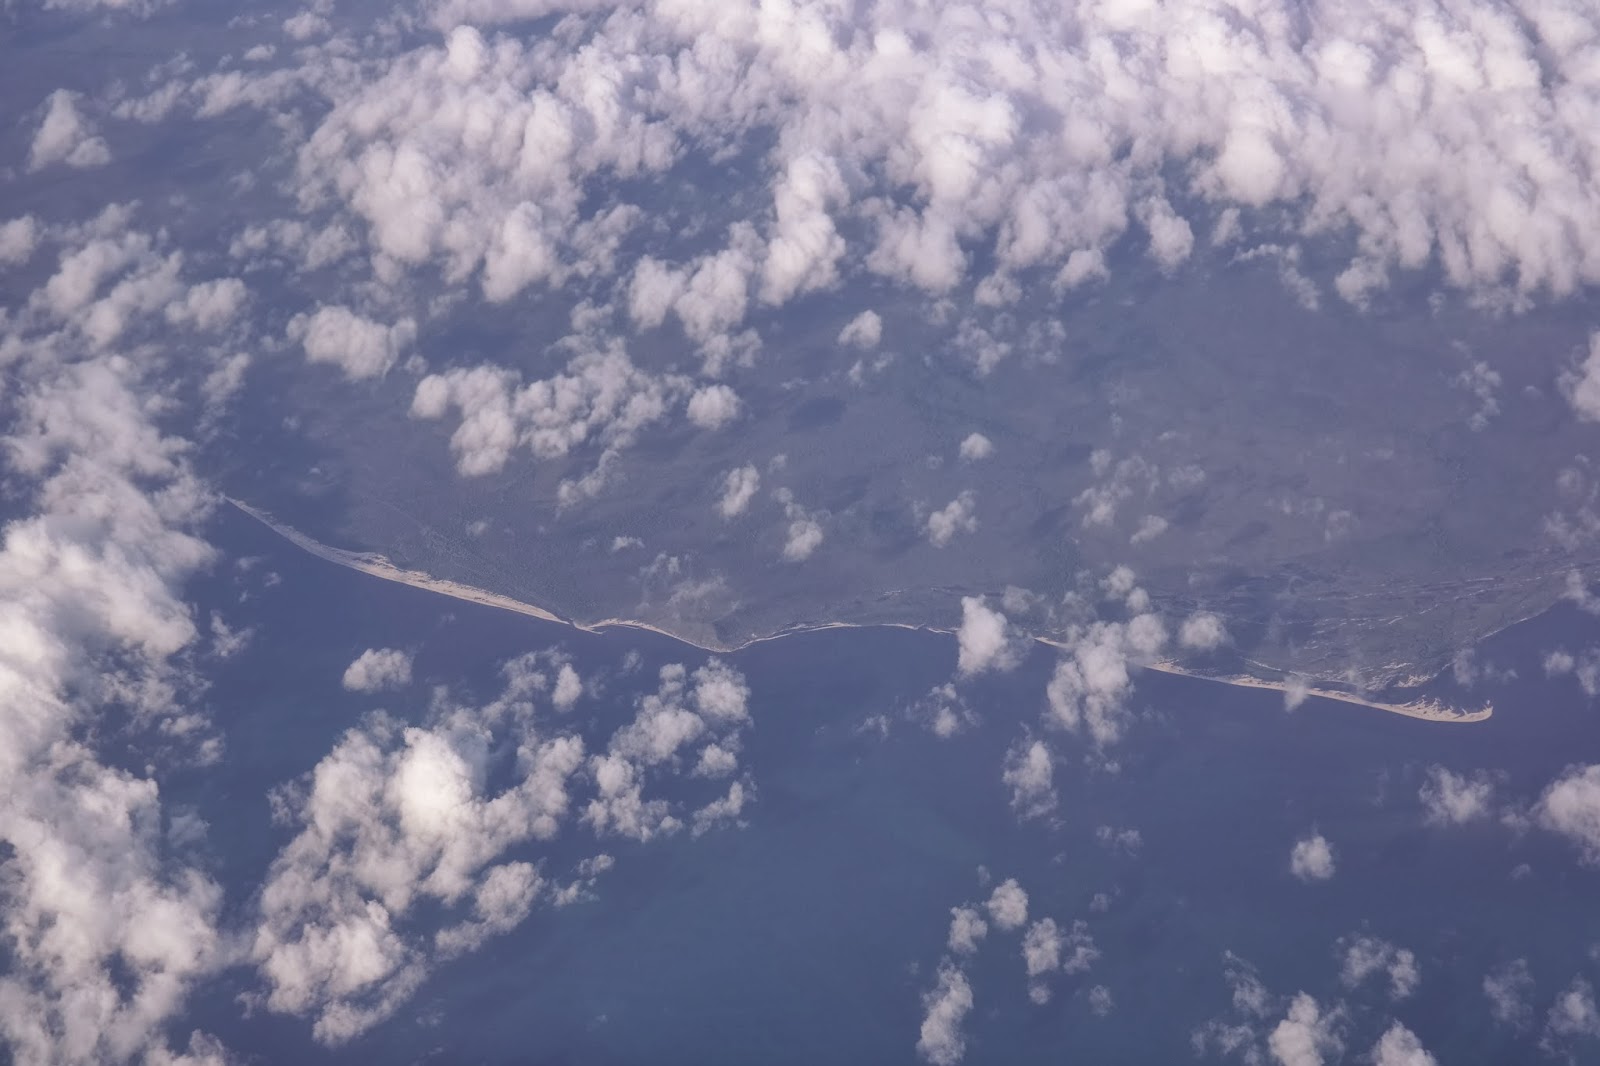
column 744, row 531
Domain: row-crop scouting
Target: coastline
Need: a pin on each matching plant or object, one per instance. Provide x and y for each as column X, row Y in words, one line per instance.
column 377, row 566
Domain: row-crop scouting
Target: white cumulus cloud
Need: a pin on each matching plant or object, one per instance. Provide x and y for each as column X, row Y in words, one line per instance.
column 378, row 668
column 1312, row 859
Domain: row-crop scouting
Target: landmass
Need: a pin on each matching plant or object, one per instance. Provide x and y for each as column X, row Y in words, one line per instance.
column 1422, row 708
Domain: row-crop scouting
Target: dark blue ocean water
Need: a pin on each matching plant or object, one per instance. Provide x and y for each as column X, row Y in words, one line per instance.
column 811, row 934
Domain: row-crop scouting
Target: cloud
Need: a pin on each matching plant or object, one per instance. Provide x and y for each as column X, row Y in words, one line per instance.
column 1041, row 952
column 957, row 516
column 943, row 711
column 568, row 689
column 107, row 926
column 1295, row 692
column 1091, row 682
column 500, row 903
column 1311, row 859
column 1573, row 1016
column 976, row 447
column 1581, row 384
column 983, row 639
column 1124, row 841
column 739, row 487
column 599, row 398
column 391, row 817
column 721, row 812
column 18, row 238
column 863, row 331
column 1366, row 956
column 803, row 538
column 896, row 141
column 1150, row 527
column 946, row 1007
column 401, row 824
column 1029, row 773
column 1078, row 949
column 65, row 136
column 1453, row 799
column 967, row 930
column 358, row 346
column 713, row 406
column 1399, row 1046
column 1570, row 807
column 1509, row 990
column 804, row 534
column 1202, row 631
column 1307, row 1035
column 378, row 668
column 1008, row 905
column 709, row 707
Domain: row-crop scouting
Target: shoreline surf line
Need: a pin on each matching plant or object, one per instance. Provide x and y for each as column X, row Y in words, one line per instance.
column 378, row 566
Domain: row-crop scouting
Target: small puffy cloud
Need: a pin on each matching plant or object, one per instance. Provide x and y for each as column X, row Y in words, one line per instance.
column 1307, row 1037
column 1577, row 591
column 713, row 406
column 1311, row 859
column 357, row 345
column 1126, row 841
column 802, row 539
column 1090, row 686
column 721, row 693
column 976, row 446
column 1452, row 799
column 1202, row 631
column 209, row 306
column 863, row 331
column 708, row 707
column 305, row 25
column 957, row 516
column 1296, row 690
column 1101, row 1002
column 804, row 534
column 569, row 687
column 946, row 1007
column 1368, row 956
column 739, row 487
column 1582, row 383
column 1559, row 663
column 984, row 639
column 1399, row 1046
column 721, row 812
column 500, row 903
column 1029, row 774
column 1171, row 239
column 1509, row 990
column 599, row 398
column 1574, row 1015
column 378, row 668
column 1041, row 953
column 716, row 761
column 1078, row 951
column 65, row 136
column 1570, row 807
column 1008, row 905
column 943, row 711
column 18, row 238
column 967, row 930
column 1149, row 528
